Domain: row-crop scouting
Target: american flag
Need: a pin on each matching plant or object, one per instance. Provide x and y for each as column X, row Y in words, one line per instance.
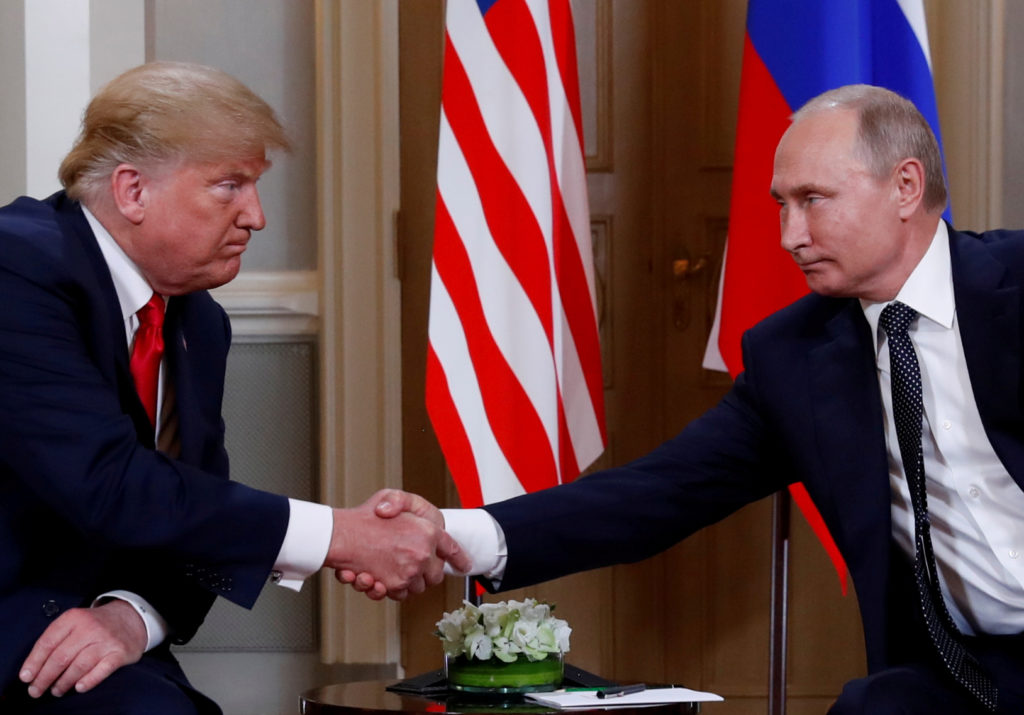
column 514, row 386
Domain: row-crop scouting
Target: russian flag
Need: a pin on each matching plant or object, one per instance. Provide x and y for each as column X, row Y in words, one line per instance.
column 794, row 50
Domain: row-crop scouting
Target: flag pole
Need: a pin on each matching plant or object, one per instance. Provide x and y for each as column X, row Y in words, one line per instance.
column 470, row 592
column 779, row 621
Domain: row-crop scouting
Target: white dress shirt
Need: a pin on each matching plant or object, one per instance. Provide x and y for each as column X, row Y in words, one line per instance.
column 309, row 525
column 975, row 507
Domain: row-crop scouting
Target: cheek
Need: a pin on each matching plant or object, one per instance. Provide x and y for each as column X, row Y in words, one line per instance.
column 827, row 230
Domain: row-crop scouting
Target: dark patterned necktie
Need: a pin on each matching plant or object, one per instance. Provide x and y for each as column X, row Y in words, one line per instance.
column 908, row 410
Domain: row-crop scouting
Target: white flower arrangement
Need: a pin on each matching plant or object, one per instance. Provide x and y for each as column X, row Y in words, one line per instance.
column 503, row 630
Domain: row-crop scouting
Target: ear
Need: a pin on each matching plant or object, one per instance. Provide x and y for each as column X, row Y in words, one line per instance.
column 909, row 177
column 127, row 186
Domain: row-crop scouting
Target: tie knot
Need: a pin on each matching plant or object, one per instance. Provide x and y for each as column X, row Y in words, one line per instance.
column 896, row 318
column 152, row 313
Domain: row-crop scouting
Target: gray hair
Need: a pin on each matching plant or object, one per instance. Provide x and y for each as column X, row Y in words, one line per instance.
column 890, row 129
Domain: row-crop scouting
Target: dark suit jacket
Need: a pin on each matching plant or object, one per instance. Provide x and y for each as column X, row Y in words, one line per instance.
column 807, row 408
column 86, row 504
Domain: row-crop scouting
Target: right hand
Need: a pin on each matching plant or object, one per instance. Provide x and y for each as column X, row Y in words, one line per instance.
column 82, row 647
column 392, row 545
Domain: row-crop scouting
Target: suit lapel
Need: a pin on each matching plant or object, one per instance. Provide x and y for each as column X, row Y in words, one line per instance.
column 848, row 426
column 849, row 432
column 988, row 315
column 106, row 321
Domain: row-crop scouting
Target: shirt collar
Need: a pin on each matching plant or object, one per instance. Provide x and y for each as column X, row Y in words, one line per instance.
column 928, row 289
column 133, row 291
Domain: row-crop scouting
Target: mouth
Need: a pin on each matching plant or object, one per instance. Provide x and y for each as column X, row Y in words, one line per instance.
column 235, row 248
column 808, row 265
column 239, row 243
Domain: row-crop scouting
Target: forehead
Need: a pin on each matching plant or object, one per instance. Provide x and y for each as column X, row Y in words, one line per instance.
column 818, row 148
column 246, row 167
column 211, row 171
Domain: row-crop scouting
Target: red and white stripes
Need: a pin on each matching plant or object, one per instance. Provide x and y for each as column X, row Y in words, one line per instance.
column 514, row 386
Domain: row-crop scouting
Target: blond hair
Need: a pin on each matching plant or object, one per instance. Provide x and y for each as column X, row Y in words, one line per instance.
column 890, row 129
column 166, row 112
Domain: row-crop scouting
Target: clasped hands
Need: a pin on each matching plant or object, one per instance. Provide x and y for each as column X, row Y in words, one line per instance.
column 393, row 545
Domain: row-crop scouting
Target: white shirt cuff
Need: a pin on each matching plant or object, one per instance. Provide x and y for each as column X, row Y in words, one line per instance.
column 481, row 537
column 156, row 626
column 305, row 544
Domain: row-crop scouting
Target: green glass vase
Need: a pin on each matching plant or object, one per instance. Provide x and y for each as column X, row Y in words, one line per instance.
column 497, row 676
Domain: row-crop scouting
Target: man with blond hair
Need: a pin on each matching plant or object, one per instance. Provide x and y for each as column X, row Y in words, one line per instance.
column 118, row 525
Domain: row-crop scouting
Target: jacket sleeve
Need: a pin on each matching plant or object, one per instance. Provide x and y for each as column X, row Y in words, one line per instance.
column 721, row 461
column 66, row 440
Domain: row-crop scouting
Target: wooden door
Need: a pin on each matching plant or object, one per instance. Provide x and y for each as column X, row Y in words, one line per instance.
column 660, row 82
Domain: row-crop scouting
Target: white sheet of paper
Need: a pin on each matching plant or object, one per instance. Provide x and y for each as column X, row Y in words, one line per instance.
column 568, row 700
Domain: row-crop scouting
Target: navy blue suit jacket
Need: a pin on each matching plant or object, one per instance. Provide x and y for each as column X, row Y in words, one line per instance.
column 807, row 408
column 86, row 503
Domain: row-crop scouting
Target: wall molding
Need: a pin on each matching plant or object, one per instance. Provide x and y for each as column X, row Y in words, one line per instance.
column 273, row 305
column 360, row 295
column 596, row 40
column 968, row 47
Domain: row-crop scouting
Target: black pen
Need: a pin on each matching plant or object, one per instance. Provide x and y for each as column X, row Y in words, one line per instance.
column 621, row 690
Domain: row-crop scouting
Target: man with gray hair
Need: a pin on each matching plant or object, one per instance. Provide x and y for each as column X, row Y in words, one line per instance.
column 118, row 525
column 893, row 392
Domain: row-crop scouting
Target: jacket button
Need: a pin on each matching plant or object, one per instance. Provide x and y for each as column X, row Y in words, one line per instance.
column 50, row 608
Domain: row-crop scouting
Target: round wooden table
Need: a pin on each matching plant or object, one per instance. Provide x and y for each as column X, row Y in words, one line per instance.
column 371, row 698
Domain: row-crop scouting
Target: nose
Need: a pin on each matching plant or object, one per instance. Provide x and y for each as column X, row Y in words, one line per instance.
column 793, row 227
column 251, row 216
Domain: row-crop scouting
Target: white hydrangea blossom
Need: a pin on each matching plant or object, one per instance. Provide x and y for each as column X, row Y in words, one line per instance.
column 503, row 630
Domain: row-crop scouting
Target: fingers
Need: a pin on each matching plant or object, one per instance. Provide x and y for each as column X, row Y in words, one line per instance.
column 100, row 672
column 46, row 662
column 364, row 583
column 86, row 671
column 396, row 555
column 449, row 550
column 60, row 660
column 389, row 503
column 82, row 648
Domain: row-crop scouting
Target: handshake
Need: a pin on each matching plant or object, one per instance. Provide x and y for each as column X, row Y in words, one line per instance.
column 394, row 544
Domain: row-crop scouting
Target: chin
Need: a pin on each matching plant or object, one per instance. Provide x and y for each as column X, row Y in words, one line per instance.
column 209, row 280
column 826, row 289
column 227, row 274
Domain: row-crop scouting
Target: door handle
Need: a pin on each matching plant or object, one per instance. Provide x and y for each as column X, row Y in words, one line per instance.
column 683, row 268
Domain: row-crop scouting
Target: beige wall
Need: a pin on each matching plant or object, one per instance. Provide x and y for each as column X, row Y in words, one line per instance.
column 968, row 66
column 12, row 98
column 1013, row 113
column 269, row 45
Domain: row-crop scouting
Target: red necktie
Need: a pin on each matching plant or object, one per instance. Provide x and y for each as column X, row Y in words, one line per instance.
column 147, row 352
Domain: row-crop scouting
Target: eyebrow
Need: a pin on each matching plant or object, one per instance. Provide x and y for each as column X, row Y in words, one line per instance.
column 800, row 190
column 242, row 174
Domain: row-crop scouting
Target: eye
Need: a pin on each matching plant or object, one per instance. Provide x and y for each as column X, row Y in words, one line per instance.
column 226, row 190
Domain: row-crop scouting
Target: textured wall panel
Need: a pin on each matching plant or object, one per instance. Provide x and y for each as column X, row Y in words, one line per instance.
column 269, row 408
